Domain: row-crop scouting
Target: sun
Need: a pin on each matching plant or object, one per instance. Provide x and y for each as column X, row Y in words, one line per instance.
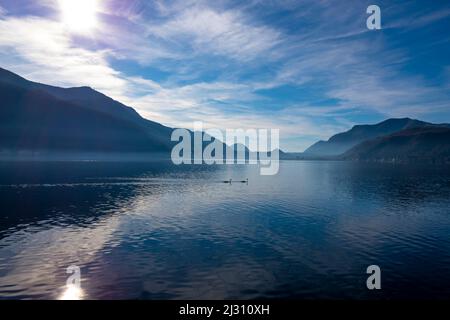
column 79, row 15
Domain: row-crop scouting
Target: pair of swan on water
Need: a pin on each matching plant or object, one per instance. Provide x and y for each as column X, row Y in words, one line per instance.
column 239, row 181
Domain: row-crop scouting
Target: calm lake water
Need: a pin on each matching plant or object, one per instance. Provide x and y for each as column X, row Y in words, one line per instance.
column 158, row 231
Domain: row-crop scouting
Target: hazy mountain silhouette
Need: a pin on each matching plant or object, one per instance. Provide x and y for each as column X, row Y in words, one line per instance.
column 39, row 117
column 35, row 117
column 430, row 144
column 342, row 142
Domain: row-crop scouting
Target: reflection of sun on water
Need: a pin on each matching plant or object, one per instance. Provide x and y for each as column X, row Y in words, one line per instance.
column 79, row 15
column 72, row 292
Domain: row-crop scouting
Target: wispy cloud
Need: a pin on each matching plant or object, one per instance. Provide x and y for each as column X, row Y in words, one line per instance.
column 227, row 63
column 221, row 33
column 2, row 11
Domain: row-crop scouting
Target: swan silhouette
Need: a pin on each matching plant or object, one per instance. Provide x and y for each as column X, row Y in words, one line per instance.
column 230, row 180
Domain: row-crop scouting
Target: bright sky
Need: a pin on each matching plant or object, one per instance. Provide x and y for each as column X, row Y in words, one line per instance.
column 310, row 68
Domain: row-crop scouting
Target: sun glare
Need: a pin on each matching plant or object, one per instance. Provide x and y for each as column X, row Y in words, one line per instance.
column 79, row 15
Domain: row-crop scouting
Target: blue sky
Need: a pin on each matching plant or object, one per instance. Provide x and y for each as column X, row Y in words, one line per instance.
column 308, row 67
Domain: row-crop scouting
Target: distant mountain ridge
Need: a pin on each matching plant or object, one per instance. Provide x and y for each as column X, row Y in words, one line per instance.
column 35, row 116
column 41, row 119
column 430, row 144
column 84, row 96
column 342, row 142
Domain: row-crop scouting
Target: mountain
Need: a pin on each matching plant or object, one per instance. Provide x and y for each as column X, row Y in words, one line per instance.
column 38, row 117
column 43, row 119
column 304, row 156
column 424, row 144
column 82, row 96
column 46, row 120
column 342, row 142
